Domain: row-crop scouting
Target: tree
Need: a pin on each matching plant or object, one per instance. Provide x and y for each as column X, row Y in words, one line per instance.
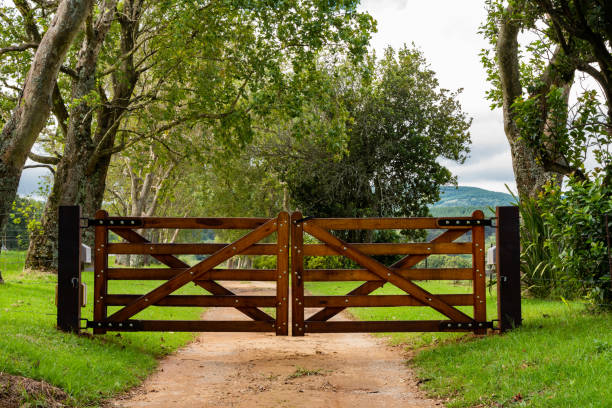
column 150, row 81
column 399, row 125
column 532, row 80
column 35, row 101
column 583, row 30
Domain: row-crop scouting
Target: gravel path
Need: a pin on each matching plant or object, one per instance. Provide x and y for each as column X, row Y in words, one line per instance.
column 263, row 370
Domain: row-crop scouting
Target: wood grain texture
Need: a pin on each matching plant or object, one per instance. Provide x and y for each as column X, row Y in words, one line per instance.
column 198, row 300
column 187, row 249
column 377, row 326
column 385, row 273
column 393, row 249
column 383, row 300
column 282, row 272
column 355, row 275
column 297, row 269
column 478, row 262
column 195, row 272
column 213, row 274
column 100, row 269
column 211, row 286
column 406, row 262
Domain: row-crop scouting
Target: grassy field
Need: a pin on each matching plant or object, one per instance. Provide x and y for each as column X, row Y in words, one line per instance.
column 560, row 357
column 88, row 369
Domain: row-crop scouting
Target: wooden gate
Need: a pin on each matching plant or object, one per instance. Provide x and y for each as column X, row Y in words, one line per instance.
column 178, row 273
column 459, row 312
column 402, row 274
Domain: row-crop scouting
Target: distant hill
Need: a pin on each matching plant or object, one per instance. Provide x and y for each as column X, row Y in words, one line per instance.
column 462, row 201
column 451, row 196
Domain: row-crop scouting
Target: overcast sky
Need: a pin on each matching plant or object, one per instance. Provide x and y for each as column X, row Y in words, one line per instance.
column 446, row 32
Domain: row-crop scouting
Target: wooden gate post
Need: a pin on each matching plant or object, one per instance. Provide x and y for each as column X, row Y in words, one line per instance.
column 69, row 269
column 508, row 268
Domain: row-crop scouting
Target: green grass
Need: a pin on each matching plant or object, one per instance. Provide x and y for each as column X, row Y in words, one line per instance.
column 88, row 369
column 560, row 357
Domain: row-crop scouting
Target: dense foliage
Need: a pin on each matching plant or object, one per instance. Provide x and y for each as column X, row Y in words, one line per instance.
column 400, row 124
column 578, row 243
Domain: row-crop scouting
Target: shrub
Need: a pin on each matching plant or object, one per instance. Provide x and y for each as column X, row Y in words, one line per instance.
column 577, row 237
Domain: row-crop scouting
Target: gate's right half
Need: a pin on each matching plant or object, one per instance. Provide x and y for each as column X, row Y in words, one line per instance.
column 464, row 311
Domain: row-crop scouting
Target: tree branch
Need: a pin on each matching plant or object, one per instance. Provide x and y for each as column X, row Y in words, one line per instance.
column 44, row 159
column 46, row 166
column 18, row 48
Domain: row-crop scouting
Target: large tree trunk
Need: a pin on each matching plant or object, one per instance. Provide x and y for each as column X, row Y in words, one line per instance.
column 32, row 111
column 529, row 173
column 68, row 183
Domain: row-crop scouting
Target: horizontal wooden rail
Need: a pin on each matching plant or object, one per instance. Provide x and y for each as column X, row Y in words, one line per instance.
column 382, row 223
column 394, row 249
column 193, row 326
column 356, row 275
column 168, row 273
column 191, row 223
column 378, row 326
column 382, row 300
column 196, row 301
column 186, row 249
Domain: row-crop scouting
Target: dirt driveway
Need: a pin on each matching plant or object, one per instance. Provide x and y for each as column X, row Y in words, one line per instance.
column 263, row 370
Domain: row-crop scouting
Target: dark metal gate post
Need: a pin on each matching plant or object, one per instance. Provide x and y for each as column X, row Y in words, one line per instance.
column 508, row 268
column 69, row 269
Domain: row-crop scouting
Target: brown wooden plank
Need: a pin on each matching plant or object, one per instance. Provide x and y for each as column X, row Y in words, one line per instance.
column 198, row 300
column 100, row 270
column 200, row 326
column 186, row 249
column 382, row 300
column 213, row 274
column 406, row 262
column 282, row 271
column 192, row 223
column 297, row 268
column 213, row 287
column 376, row 326
column 394, row 249
column 195, row 272
column 355, row 275
column 478, row 262
column 386, row 274
column 380, row 223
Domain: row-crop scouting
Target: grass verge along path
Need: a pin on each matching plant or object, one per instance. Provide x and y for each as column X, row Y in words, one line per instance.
column 88, row 368
column 560, row 357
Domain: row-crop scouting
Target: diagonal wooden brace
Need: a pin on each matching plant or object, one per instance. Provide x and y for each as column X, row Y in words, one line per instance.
column 368, row 287
column 211, row 286
column 196, row 272
column 387, row 274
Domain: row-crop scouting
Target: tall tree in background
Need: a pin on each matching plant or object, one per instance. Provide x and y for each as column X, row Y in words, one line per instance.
column 35, row 101
column 583, row 30
column 172, row 65
column 532, row 82
column 399, row 125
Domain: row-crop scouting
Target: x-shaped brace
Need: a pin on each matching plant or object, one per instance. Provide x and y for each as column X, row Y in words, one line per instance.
column 196, row 273
column 386, row 274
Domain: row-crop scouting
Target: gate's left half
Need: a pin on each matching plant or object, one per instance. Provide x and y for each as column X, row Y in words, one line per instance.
column 208, row 265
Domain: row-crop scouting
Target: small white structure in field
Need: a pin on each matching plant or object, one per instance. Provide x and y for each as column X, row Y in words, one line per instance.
column 85, row 254
column 491, row 260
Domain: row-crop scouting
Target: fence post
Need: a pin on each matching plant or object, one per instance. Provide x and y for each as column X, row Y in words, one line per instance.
column 69, row 269
column 508, row 268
